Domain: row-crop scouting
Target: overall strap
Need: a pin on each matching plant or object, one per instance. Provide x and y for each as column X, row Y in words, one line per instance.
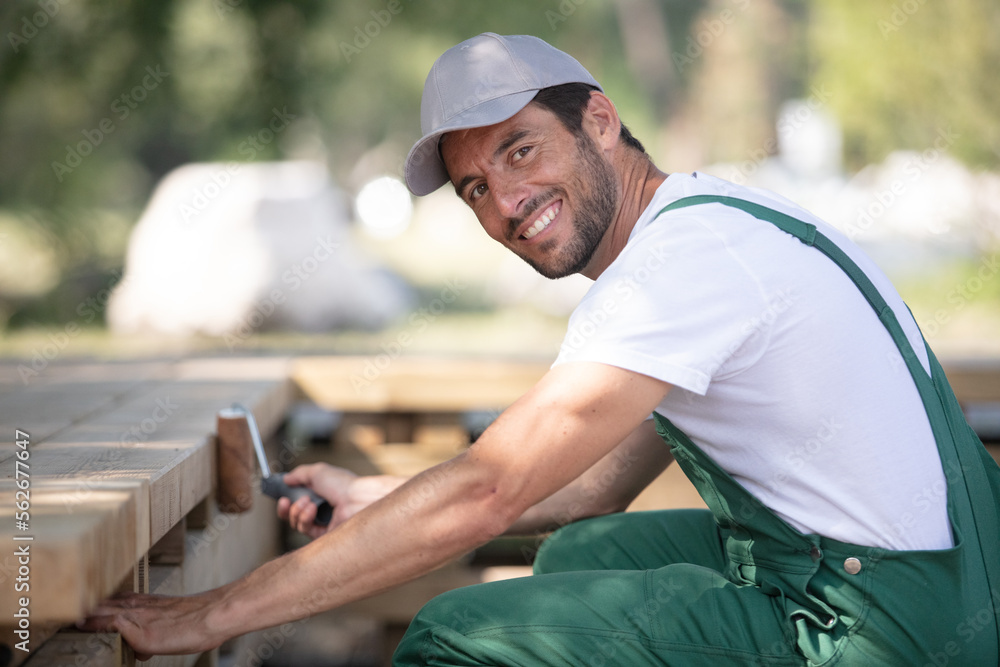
column 951, row 431
column 809, row 235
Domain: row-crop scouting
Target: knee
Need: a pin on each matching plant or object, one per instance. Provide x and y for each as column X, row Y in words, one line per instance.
column 564, row 550
column 437, row 634
column 416, row 649
column 420, row 645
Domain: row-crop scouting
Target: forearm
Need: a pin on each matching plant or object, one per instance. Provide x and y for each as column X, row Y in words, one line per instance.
column 548, row 438
column 449, row 510
column 430, row 520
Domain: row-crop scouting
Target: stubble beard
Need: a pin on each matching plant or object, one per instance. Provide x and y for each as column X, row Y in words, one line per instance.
column 592, row 216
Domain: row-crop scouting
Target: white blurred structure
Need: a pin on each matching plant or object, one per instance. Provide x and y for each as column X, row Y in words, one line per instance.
column 913, row 205
column 226, row 249
column 384, row 207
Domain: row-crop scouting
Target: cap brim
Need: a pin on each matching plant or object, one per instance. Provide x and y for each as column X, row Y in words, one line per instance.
column 424, row 171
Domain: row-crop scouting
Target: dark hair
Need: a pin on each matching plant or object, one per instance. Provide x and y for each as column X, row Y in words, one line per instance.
column 568, row 101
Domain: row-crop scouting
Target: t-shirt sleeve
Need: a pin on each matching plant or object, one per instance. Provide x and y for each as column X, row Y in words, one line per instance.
column 677, row 304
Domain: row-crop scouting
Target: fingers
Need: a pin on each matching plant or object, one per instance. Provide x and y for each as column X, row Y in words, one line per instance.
column 103, row 617
column 110, row 613
column 301, row 475
column 284, row 504
column 302, row 514
column 107, row 618
column 96, row 622
column 326, row 480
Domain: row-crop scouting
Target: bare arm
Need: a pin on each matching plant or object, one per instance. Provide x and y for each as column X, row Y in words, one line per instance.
column 608, row 486
column 568, row 422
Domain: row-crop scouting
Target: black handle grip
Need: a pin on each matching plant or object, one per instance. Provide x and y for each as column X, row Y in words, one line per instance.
column 276, row 487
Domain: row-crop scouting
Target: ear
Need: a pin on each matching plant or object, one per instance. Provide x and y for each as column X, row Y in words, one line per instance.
column 601, row 122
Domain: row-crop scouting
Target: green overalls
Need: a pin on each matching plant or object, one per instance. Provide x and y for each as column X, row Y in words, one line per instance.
column 736, row 585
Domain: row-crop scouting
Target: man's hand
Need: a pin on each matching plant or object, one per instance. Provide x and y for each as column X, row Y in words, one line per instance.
column 348, row 493
column 156, row 624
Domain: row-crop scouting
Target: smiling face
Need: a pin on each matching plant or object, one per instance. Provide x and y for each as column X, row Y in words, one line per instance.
column 537, row 188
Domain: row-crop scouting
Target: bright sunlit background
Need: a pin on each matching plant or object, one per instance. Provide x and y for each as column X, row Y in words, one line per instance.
column 225, row 175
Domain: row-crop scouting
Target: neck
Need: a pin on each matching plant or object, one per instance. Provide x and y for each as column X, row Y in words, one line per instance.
column 639, row 179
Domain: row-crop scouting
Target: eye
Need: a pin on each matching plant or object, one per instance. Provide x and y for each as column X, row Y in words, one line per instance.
column 478, row 191
column 521, row 152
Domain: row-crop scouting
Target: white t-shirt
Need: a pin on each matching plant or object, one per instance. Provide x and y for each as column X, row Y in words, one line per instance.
column 781, row 371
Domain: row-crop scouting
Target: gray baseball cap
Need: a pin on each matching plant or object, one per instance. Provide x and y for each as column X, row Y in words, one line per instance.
column 482, row 81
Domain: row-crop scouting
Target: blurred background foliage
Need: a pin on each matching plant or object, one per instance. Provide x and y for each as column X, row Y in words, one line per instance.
column 910, row 69
column 699, row 81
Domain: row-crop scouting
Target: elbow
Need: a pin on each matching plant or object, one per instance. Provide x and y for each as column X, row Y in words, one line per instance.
column 615, row 504
column 499, row 511
column 496, row 509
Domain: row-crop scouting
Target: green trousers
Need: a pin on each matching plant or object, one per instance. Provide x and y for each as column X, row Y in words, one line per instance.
column 735, row 584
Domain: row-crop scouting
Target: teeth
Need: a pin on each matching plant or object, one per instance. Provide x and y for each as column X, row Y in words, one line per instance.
column 540, row 224
column 537, row 227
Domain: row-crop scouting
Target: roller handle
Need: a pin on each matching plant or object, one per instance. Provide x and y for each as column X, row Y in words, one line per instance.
column 276, row 487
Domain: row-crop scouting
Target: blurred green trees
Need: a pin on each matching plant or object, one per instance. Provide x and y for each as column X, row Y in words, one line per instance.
column 910, row 69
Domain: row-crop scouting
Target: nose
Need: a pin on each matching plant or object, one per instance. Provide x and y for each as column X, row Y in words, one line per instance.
column 510, row 196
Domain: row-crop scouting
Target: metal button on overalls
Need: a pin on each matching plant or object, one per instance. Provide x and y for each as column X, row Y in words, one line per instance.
column 852, row 565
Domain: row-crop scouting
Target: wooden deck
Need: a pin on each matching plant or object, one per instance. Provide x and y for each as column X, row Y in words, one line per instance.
column 122, row 466
column 118, row 456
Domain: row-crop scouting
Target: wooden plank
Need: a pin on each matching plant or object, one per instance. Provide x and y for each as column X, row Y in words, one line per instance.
column 670, row 490
column 39, row 633
column 80, row 552
column 133, row 411
column 396, row 459
column 195, row 574
column 177, row 474
column 429, row 384
column 444, row 429
column 206, row 659
column 263, row 384
column 69, row 392
column 407, row 384
column 973, row 379
column 994, row 450
column 161, row 437
column 169, row 550
column 70, row 648
column 137, row 581
column 224, row 549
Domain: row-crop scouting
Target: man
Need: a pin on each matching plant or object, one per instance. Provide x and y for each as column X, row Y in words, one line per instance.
column 852, row 511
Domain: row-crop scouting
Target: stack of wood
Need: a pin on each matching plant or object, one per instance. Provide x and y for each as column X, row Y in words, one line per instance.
column 121, row 474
